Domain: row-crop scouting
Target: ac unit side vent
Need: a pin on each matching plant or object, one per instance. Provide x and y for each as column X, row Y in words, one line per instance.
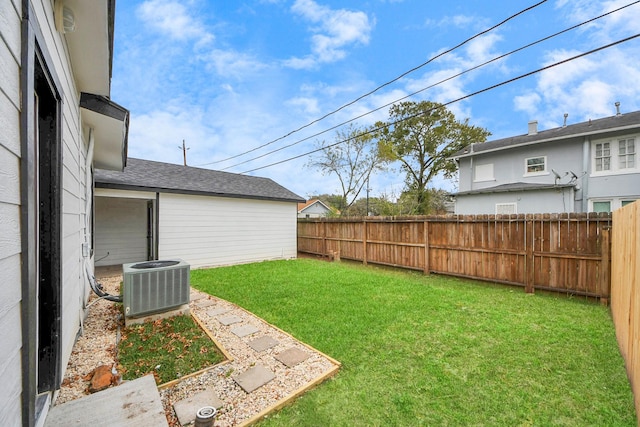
column 155, row 289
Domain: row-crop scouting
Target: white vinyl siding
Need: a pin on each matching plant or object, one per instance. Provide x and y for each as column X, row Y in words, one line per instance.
column 10, row 241
column 213, row 231
column 121, row 230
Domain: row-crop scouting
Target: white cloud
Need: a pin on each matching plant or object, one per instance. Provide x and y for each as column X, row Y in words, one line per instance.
column 173, row 18
column 307, row 105
column 229, row 63
column 333, row 31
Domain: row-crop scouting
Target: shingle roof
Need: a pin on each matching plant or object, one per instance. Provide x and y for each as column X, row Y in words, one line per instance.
column 515, row 186
column 147, row 175
column 591, row 127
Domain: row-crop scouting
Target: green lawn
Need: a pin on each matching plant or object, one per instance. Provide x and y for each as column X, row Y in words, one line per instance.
column 436, row 351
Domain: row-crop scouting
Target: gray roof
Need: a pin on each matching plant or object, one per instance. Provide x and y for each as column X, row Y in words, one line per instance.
column 592, row 127
column 514, row 187
column 147, row 175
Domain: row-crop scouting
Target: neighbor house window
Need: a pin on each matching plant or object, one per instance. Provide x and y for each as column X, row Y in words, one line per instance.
column 627, row 202
column 484, row 173
column 506, row 208
column 536, row 165
column 603, row 156
column 626, row 153
column 602, row 206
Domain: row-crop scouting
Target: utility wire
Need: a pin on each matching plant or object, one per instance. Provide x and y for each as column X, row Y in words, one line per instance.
column 382, row 85
column 452, row 102
column 428, row 87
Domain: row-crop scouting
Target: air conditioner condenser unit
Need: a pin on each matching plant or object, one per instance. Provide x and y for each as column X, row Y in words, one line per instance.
column 155, row 286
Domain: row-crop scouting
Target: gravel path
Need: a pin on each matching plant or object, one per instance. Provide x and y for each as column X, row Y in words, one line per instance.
column 97, row 346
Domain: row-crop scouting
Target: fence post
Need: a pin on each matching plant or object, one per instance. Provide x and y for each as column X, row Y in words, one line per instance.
column 528, row 261
column 605, row 270
column 426, row 248
column 324, row 239
column 364, row 242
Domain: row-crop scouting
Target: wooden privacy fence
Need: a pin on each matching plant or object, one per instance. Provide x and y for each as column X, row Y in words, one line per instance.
column 563, row 252
column 625, row 290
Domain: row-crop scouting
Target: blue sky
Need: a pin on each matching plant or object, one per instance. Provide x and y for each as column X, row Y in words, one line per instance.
column 230, row 76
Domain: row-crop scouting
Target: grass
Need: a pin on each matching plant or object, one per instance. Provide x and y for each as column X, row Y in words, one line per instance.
column 168, row 348
column 431, row 350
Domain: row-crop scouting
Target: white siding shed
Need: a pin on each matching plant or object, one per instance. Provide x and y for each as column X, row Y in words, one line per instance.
column 207, row 218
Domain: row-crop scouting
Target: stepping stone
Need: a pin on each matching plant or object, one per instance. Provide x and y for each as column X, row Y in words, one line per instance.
column 254, row 378
column 243, row 331
column 213, row 312
column 186, row 409
column 193, row 296
column 229, row 320
column 292, row 356
column 205, row 303
column 263, row 343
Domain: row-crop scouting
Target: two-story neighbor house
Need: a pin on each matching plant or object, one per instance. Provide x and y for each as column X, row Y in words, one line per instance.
column 584, row 167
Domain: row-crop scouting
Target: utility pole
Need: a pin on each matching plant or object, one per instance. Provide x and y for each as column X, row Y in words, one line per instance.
column 184, row 152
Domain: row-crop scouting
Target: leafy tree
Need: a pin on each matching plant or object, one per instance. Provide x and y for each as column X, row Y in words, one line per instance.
column 353, row 157
column 422, row 136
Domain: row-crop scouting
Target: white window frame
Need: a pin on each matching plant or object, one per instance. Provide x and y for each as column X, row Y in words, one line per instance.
column 628, row 157
column 616, row 165
column 482, row 173
column 504, row 205
column 535, row 173
column 614, row 202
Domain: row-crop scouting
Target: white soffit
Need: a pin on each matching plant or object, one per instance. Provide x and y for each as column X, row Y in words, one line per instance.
column 110, row 124
column 89, row 45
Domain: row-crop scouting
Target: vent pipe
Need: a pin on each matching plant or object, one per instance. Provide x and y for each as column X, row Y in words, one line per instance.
column 617, row 108
column 533, row 127
column 565, row 120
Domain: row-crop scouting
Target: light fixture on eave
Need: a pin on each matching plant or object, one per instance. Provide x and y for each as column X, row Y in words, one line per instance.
column 65, row 18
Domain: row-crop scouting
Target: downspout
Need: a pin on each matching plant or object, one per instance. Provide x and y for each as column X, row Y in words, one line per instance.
column 586, row 160
column 86, row 246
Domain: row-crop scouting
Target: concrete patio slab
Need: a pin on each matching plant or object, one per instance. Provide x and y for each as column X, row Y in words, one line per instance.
column 213, row 312
column 229, row 320
column 263, row 343
column 292, row 356
column 186, row 409
column 244, row 330
column 133, row 403
column 254, row 378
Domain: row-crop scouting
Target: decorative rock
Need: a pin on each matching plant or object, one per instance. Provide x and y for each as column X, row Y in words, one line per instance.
column 101, row 379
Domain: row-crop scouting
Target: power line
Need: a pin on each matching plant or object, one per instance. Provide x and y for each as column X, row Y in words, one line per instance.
column 382, row 85
column 453, row 101
column 428, row 87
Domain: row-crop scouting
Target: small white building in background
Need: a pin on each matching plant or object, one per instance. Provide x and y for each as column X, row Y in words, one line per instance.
column 56, row 123
column 313, row 208
column 155, row 210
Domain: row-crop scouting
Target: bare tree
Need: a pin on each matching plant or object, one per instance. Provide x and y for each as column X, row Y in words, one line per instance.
column 353, row 157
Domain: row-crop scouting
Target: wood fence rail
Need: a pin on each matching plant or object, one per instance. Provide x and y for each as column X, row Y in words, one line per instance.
column 560, row 252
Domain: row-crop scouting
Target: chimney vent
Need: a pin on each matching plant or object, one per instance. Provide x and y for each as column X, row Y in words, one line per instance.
column 533, row 127
column 565, row 120
column 617, row 108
